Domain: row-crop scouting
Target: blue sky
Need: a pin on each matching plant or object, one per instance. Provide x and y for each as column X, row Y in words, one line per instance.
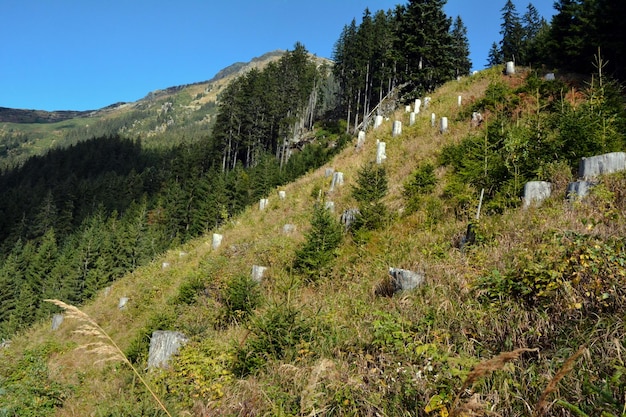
column 87, row 54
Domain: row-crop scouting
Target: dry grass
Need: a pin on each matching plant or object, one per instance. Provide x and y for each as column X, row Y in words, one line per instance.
column 543, row 405
column 481, row 370
column 104, row 347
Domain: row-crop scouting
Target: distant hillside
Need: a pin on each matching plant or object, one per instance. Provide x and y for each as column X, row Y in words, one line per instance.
column 9, row 115
column 161, row 118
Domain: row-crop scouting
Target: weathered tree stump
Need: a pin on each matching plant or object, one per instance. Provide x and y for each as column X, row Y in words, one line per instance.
column 360, row 142
column 396, row 130
column 328, row 172
column 263, row 203
column 348, row 217
column 337, row 180
column 258, row 272
column 607, row 163
column 123, row 302
column 217, row 241
column 381, row 155
column 578, row 190
column 57, row 320
column 535, row 192
column 282, row 195
column 330, row 206
column 443, row 125
column 163, row 345
column 404, row 279
column 510, row 68
column 418, row 105
column 411, row 119
column 433, row 119
column 378, row 120
column 289, row 228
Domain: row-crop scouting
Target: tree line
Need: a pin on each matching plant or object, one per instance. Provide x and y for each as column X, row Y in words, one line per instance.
column 416, row 47
column 577, row 32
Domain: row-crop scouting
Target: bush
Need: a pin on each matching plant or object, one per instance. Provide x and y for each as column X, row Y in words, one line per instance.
column 239, row 298
column 273, row 336
column 422, row 182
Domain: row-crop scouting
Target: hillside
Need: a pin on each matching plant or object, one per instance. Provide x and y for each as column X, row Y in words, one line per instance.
column 161, row 118
column 340, row 343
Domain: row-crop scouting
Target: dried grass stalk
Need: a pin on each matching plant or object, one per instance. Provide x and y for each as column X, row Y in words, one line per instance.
column 483, row 369
column 542, row 405
column 105, row 347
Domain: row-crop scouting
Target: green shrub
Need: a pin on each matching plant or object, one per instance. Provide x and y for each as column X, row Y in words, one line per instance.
column 421, row 183
column 274, row 335
column 239, row 298
column 27, row 388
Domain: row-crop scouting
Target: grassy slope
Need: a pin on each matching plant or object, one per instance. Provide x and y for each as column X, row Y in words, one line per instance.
column 435, row 334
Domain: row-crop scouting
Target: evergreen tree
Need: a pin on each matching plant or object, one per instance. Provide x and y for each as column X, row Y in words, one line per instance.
column 425, row 44
column 571, row 36
column 460, row 48
column 322, row 241
column 370, row 189
column 511, row 45
column 495, row 56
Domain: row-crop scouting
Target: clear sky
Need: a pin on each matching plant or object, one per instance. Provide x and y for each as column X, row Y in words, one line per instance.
column 87, row 54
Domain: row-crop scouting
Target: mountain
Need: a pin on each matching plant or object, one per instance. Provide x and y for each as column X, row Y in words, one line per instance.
column 161, row 118
column 518, row 311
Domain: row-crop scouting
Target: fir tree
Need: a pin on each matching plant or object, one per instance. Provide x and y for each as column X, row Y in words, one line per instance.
column 319, row 249
column 512, row 34
column 370, row 189
column 495, row 56
column 460, row 48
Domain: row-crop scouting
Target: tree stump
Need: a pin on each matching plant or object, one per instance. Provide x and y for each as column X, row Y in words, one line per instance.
column 163, row 345
column 217, row 241
column 535, row 192
column 396, row 130
column 57, row 319
column 263, row 204
column 404, row 279
column 360, row 142
column 378, row 120
column 510, row 68
column 337, row 180
column 607, row 163
column 443, row 125
column 258, row 272
column 381, row 155
column 121, row 305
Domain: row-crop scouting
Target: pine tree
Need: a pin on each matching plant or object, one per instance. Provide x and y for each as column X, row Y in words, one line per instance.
column 425, row 43
column 495, row 56
column 322, row 241
column 460, row 48
column 534, row 28
column 571, row 36
column 512, row 34
column 370, row 189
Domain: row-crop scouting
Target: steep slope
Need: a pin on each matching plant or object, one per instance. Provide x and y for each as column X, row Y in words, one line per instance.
column 340, row 345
